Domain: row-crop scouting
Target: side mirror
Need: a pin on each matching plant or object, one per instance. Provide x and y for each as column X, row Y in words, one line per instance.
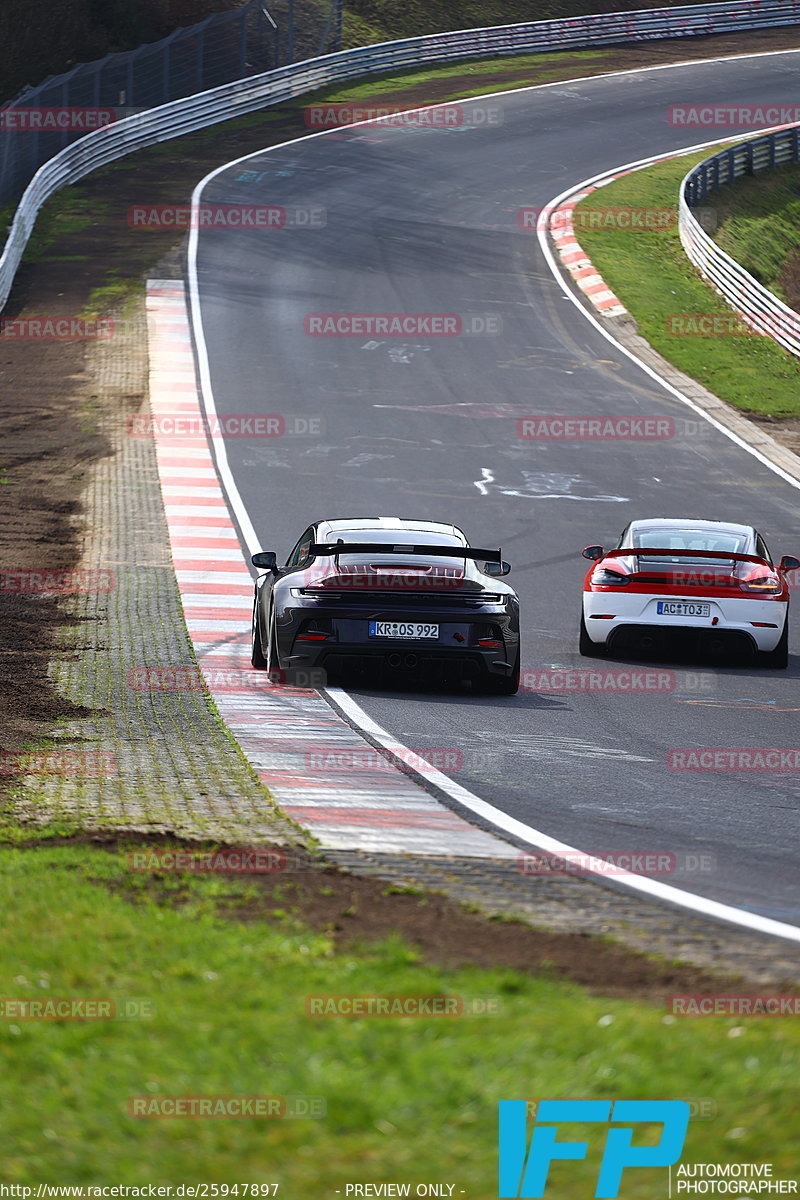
column 593, row 552
column 789, row 563
column 497, row 569
column 266, row 560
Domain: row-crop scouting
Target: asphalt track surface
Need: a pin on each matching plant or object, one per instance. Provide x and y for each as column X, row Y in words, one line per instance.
column 425, row 221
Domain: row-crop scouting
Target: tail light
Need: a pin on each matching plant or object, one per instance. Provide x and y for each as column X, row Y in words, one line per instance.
column 315, row 631
column 609, row 577
column 761, row 581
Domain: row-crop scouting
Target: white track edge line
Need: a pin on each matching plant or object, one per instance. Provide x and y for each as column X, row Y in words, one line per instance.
column 363, row 722
column 541, row 233
column 651, row 888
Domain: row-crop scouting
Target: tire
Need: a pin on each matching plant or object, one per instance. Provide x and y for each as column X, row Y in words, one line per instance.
column 586, row 646
column 778, row 659
column 277, row 676
column 257, row 654
column 508, row 686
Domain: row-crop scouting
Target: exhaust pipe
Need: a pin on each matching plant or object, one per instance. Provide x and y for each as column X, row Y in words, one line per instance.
column 646, row 642
column 411, row 661
column 394, row 660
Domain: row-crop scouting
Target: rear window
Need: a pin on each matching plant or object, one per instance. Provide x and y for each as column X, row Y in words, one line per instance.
column 669, row 538
column 398, row 537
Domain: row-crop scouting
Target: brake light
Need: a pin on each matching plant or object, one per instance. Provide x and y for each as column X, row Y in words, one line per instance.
column 609, row 577
column 312, row 637
column 762, row 582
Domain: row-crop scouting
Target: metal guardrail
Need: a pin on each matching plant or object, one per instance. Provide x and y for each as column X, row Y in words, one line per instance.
column 759, row 309
column 207, row 108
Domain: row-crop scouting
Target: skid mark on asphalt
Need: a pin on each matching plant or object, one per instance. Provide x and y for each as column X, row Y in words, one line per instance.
column 554, row 747
column 540, row 485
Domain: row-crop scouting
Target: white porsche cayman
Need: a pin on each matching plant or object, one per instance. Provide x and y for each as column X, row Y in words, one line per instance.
column 709, row 585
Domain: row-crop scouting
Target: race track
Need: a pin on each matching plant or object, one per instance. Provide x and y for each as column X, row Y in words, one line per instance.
column 425, row 221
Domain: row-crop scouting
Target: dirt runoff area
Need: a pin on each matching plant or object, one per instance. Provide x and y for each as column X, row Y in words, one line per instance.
column 83, row 262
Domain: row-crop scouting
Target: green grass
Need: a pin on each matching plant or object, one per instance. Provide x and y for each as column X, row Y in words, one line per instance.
column 369, row 21
column 117, row 292
column 379, row 85
column 406, row 1098
column 73, row 213
column 760, row 222
column 653, row 278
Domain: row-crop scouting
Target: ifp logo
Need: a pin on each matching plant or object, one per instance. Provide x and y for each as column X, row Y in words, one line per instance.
column 524, row 1171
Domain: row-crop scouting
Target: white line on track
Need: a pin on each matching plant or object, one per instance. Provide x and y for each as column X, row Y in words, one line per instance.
column 550, row 258
column 652, row 889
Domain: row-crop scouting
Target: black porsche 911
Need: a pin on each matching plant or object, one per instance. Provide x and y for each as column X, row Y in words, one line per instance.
column 387, row 598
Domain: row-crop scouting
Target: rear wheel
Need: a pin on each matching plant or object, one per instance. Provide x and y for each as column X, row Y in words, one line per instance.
column 508, row 685
column 257, row 654
column 586, row 646
column 778, row 658
column 273, row 664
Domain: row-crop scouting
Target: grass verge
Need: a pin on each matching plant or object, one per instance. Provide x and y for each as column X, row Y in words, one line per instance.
column 650, row 273
column 228, row 1002
column 759, row 226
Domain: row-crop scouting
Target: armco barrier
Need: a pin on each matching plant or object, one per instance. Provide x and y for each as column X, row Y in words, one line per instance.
column 760, row 308
column 259, row 91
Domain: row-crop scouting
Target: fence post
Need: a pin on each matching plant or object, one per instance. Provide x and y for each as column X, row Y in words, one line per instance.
column 242, row 42
column 200, row 58
column 730, row 156
column 165, row 88
column 290, row 33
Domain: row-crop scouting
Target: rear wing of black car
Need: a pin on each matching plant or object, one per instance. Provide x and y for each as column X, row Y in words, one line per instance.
column 381, row 548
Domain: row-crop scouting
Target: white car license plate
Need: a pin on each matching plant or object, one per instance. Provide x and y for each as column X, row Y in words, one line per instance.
column 682, row 608
column 402, row 629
